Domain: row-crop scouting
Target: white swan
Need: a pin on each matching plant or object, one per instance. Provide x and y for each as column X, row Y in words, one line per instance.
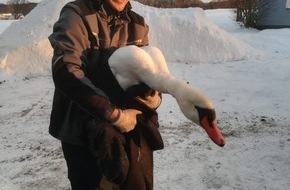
column 133, row 65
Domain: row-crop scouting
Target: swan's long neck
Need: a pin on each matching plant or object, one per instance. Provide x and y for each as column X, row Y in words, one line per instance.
column 165, row 83
column 179, row 89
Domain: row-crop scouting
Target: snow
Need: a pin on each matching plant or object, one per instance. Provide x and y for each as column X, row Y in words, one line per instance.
column 245, row 72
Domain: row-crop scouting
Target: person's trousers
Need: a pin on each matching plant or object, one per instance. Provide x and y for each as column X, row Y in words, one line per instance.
column 84, row 172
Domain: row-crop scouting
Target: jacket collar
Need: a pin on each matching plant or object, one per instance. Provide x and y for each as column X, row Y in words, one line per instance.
column 107, row 13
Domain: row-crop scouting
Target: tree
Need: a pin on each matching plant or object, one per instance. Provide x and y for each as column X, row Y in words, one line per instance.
column 249, row 11
column 16, row 7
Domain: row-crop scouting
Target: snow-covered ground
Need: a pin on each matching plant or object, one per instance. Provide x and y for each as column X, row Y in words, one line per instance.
column 245, row 72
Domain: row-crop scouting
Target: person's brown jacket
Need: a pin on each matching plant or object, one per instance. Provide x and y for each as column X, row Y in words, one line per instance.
column 81, row 77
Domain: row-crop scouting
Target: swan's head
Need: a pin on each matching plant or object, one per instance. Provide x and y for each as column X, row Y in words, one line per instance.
column 207, row 120
column 197, row 107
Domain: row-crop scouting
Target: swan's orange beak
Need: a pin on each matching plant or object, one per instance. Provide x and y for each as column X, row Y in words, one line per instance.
column 212, row 131
column 208, row 122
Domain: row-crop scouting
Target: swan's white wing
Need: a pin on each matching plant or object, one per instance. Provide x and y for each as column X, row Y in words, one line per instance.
column 158, row 59
column 131, row 65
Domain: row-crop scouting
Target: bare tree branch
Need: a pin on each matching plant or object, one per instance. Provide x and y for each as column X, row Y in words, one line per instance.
column 16, row 7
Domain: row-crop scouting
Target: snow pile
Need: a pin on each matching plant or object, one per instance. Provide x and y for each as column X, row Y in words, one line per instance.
column 187, row 35
column 25, row 49
column 184, row 35
column 5, row 24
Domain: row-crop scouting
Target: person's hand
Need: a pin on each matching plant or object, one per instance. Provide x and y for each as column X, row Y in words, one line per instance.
column 126, row 120
column 152, row 99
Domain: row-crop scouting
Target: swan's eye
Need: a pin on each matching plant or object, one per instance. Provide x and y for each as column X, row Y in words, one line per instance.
column 208, row 113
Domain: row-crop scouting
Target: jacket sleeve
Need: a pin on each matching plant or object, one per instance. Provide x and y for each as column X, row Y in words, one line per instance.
column 70, row 42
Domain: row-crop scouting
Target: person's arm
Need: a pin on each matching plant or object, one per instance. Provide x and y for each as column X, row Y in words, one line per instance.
column 70, row 42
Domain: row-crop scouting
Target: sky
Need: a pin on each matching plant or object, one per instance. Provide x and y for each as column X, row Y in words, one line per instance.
column 244, row 72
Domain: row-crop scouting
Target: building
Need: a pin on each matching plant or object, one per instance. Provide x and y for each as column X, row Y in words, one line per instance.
column 275, row 15
column 6, row 16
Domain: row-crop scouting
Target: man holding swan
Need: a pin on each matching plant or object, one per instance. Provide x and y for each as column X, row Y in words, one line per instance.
column 108, row 133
